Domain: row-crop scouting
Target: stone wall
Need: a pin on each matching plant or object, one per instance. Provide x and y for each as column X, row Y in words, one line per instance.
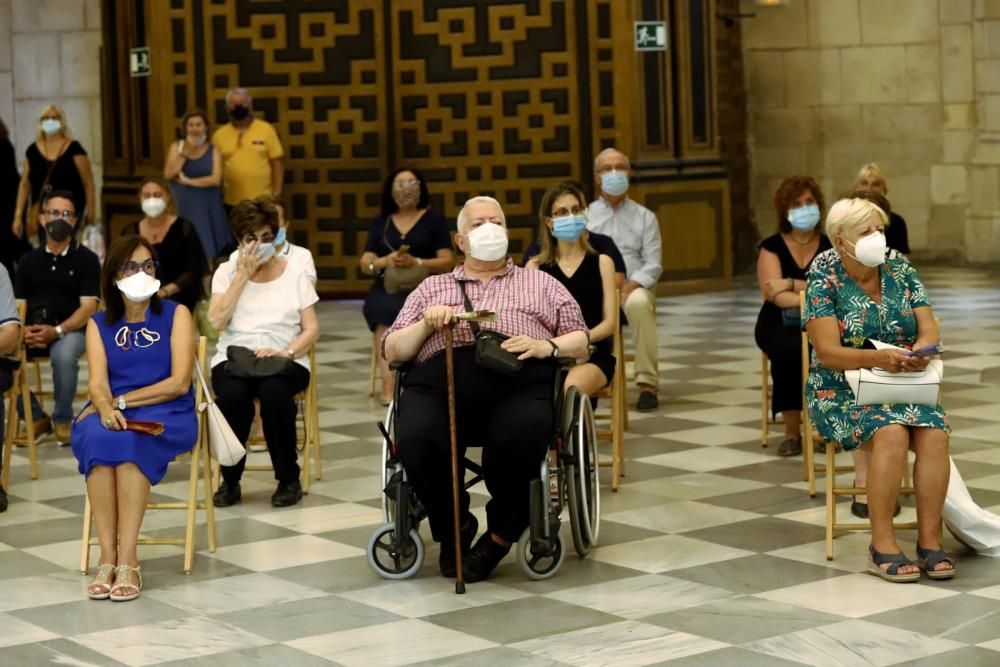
column 913, row 85
column 50, row 53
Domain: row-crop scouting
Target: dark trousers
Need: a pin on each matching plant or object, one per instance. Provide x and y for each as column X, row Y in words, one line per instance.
column 783, row 347
column 276, row 394
column 510, row 417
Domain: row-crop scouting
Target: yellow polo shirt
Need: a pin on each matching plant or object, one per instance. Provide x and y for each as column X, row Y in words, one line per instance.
column 246, row 159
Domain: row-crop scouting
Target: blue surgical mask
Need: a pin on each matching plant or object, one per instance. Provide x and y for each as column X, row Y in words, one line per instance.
column 614, row 183
column 569, row 227
column 265, row 251
column 279, row 238
column 804, row 218
column 51, row 126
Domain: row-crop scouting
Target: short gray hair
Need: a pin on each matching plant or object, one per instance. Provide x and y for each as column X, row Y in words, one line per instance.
column 846, row 214
column 239, row 91
column 608, row 151
column 481, row 199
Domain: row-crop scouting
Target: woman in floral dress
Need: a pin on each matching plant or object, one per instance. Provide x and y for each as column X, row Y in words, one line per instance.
column 857, row 292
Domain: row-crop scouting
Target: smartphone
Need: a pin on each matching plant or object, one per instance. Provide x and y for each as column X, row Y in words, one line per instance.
column 403, row 249
column 926, row 350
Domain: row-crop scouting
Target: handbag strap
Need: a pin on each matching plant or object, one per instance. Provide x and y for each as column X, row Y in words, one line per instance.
column 468, row 307
column 207, row 395
column 52, row 167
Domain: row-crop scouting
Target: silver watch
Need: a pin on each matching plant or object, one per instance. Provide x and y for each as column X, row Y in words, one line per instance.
column 121, row 402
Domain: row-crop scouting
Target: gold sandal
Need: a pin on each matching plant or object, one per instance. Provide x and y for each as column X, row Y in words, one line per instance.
column 123, row 580
column 104, row 578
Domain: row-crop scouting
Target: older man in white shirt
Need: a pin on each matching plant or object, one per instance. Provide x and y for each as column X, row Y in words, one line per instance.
column 636, row 232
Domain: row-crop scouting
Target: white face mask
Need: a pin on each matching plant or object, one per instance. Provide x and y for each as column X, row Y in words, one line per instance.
column 487, row 242
column 138, row 287
column 870, row 250
column 51, row 126
column 197, row 140
column 154, row 206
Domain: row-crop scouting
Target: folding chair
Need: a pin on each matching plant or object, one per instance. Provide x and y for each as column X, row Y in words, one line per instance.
column 308, row 416
column 616, row 415
column 200, row 467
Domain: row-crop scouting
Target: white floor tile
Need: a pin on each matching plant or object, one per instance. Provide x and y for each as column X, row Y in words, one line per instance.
column 427, row 596
column 855, row 595
column 669, row 552
column 284, row 552
column 244, row 591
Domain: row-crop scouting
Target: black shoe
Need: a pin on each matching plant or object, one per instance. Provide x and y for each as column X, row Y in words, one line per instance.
column 647, row 401
column 483, row 559
column 227, row 495
column 860, row 510
column 790, row 447
column 287, row 494
column 3, row 500
column 446, row 561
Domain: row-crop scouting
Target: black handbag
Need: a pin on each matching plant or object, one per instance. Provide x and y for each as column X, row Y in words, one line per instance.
column 242, row 362
column 489, row 354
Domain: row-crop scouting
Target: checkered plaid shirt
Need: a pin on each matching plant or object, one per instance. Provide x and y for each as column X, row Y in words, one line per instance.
column 527, row 303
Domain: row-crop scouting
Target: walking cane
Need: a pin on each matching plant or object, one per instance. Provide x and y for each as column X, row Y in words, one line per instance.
column 449, row 360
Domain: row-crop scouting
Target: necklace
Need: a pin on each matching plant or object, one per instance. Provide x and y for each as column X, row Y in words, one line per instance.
column 141, row 338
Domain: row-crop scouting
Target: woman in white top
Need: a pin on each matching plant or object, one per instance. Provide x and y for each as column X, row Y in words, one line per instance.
column 264, row 309
column 300, row 258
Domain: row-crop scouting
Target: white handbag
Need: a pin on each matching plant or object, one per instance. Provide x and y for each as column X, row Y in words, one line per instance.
column 876, row 386
column 226, row 448
column 969, row 522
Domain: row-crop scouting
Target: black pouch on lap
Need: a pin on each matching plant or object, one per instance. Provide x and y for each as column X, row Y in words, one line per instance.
column 242, row 362
column 489, row 354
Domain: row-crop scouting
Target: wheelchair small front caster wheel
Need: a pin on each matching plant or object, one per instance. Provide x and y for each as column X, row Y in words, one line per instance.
column 543, row 565
column 395, row 557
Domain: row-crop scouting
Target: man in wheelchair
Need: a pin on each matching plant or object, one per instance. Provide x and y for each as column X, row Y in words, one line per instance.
column 509, row 412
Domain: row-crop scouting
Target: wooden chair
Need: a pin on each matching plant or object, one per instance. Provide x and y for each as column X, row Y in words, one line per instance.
column 200, row 468
column 616, row 414
column 373, row 367
column 766, row 394
column 21, row 388
column 308, row 438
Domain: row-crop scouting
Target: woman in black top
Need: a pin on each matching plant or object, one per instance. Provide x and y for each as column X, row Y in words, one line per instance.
column 11, row 247
column 55, row 161
column 406, row 234
column 176, row 242
column 567, row 255
column 781, row 271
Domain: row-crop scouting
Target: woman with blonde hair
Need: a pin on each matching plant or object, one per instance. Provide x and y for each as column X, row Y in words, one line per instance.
column 175, row 242
column 55, row 161
column 858, row 292
column 871, row 180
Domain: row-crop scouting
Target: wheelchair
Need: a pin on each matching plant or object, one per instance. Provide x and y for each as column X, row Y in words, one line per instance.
column 396, row 550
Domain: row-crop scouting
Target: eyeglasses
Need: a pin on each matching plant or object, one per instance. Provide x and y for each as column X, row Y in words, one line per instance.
column 399, row 185
column 563, row 212
column 608, row 168
column 131, row 268
column 56, row 213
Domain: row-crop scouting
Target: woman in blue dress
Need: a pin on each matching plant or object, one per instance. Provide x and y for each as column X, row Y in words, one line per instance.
column 194, row 169
column 141, row 355
column 858, row 292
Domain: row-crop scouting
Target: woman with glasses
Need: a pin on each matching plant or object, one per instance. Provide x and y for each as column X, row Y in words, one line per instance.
column 566, row 255
column 55, row 161
column 407, row 242
column 175, row 243
column 140, row 353
column 264, row 311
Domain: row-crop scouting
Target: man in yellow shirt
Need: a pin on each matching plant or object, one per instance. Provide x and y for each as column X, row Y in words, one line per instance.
column 251, row 153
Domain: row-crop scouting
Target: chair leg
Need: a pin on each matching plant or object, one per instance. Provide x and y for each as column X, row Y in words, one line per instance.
column 763, row 400
column 29, row 421
column 206, row 471
column 314, row 433
column 8, row 441
column 373, row 367
column 831, row 500
column 85, row 542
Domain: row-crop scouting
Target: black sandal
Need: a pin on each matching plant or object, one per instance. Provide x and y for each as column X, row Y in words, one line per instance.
column 891, row 573
column 929, row 559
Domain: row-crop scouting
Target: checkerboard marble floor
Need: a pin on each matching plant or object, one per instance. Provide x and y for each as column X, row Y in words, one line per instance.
column 711, row 553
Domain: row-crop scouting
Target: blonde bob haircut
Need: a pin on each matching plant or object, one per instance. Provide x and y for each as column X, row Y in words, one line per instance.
column 463, row 215
column 872, row 171
column 847, row 214
column 48, row 111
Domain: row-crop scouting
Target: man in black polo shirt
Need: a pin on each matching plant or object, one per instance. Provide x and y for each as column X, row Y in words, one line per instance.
column 61, row 283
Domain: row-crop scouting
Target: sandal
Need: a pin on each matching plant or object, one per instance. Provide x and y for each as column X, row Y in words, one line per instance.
column 929, row 559
column 123, row 580
column 790, row 447
column 103, row 579
column 891, row 573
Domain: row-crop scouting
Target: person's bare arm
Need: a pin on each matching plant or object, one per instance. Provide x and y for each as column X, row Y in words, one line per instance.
column 310, row 332
column 210, row 181
column 43, row 335
column 222, row 305
column 100, row 388
column 82, row 163
column 606, row 327
column 174, row 163
column 23, row 188
column 442, row 263
column 277, row 175
column 782, row 292
column 824, row 332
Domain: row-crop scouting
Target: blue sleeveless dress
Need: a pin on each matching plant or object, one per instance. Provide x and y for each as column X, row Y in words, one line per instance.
column 129, row 370
column 203, row 206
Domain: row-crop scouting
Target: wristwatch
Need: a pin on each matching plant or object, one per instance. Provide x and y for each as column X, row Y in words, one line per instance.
column 121, row 402
column 291, row 353
column 555, row 349
column 371, row 267
column 59, row 331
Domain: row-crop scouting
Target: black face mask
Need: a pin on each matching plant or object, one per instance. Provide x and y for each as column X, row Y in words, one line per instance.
column 58, row 230
column 239, row 112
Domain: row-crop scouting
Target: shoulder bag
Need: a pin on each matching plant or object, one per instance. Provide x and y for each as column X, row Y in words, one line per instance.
column 226, row 448
column 875, row 386
column 242, row 362
column 489, row 354
column 401, row 279
column 31, row 228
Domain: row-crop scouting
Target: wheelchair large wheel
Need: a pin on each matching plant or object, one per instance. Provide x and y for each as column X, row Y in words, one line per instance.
column 539, row 566
column 583, row 487
column 388, row 504
column 392, row 558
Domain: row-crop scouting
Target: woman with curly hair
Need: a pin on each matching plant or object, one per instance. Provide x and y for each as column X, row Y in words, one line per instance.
column 781, row 271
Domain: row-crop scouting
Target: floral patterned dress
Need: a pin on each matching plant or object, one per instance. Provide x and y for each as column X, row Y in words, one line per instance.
column 830, row 292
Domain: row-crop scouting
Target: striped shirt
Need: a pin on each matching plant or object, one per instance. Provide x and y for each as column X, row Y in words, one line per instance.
column 527, row 303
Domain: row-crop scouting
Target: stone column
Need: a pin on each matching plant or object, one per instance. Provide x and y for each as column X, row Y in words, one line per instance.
column 982, row 223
